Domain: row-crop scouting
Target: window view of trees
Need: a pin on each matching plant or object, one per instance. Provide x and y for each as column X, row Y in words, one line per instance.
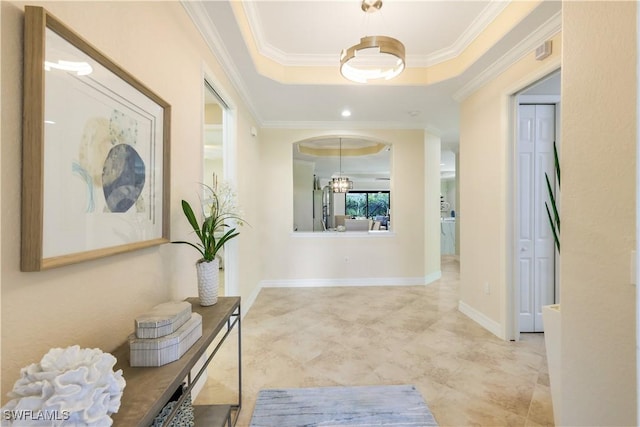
column 367, row 204
column 356, row 204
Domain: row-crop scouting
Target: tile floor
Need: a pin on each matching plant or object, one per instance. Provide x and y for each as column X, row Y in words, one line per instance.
column 307, row 337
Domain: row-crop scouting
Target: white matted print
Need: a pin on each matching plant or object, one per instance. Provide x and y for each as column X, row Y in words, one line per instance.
column 104, row 157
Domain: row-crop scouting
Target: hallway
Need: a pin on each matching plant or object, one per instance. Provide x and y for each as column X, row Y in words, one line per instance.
column 305, row 337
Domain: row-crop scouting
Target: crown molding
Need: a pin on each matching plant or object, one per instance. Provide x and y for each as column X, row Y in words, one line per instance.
column 486, row 17
column 347, row 125
column 488, row 14
column 283, row 58
column 547, row 30
column 200, row 18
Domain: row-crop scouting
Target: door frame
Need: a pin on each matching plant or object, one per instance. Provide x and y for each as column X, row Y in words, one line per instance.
column 512, row 289
column 230, row 170
column 533, row 100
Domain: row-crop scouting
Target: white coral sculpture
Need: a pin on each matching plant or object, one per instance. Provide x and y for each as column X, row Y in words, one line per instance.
column 69, row 387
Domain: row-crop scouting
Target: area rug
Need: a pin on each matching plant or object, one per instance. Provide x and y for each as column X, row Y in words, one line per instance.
column 395, row 405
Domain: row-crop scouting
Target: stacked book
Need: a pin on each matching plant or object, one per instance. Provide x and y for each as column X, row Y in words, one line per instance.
column 164, row 334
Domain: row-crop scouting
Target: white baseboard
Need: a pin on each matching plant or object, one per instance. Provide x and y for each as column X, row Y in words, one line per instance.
column 430, row 278
column 487, row 323
column 364, row 281
column 246, row 304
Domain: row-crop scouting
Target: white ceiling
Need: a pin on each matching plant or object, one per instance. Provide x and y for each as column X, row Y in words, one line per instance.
column 311, row 33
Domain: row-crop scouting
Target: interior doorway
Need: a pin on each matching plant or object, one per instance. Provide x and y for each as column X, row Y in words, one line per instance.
column 535, row 257
column 536, row 251
column 215, row 109
column 448, row 201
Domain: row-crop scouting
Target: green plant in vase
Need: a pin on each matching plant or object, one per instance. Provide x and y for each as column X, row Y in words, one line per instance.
column 219, row 211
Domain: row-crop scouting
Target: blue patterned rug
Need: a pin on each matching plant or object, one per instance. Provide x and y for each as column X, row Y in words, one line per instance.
column 395, row 405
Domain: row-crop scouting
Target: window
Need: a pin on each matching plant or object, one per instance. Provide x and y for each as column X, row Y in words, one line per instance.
column 368, row 204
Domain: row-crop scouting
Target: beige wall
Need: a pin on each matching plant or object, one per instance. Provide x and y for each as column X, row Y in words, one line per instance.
column 597, row 159
column 485, row 206
column 93, row 303
column 291, row 256
column 252, row 199
column 598, row 213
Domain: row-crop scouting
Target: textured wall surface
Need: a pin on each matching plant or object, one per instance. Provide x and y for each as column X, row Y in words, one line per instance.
column 598, row 213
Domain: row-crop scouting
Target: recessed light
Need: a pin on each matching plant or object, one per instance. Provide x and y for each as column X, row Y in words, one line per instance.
column 346, row 113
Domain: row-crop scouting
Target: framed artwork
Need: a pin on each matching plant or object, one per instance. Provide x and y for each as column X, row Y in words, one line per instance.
column 95, row 160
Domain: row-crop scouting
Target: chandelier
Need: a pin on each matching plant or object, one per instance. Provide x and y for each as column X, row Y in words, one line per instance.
column 341, row 184
column 375, row 57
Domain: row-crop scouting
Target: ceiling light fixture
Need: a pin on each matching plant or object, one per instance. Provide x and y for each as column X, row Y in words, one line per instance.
column 341, row 184
column 375, row 57
column 346, row 113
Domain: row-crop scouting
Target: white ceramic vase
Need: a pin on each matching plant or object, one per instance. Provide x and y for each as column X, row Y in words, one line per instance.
column 208, row 282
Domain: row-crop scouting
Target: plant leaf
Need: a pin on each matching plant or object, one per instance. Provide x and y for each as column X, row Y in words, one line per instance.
column 192, row 245
column 553, row 227
column 557, row 162
column 553, row 202
column 188, row 212
column 226, row 237
column 214, row 230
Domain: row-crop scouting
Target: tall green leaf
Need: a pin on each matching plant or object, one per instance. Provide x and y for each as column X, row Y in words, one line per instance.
column 554, row 221
column 553, row 228
column 188, row 212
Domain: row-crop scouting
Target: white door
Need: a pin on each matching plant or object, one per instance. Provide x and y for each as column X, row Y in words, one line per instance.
column 536, row 251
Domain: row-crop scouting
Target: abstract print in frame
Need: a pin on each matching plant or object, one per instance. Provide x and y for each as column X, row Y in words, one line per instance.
column 95, row 152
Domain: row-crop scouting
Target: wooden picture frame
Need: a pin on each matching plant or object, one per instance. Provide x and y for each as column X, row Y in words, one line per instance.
column 95, row 155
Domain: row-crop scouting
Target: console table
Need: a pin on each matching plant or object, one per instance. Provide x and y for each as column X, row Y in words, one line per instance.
column 149, row 389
